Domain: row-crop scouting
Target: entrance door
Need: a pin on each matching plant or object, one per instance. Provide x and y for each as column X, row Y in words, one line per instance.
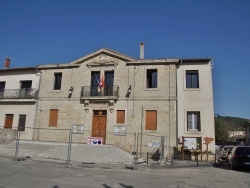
column 99, row 124
column 8, row 121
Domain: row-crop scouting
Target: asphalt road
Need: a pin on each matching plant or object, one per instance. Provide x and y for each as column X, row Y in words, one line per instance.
column 34, row 173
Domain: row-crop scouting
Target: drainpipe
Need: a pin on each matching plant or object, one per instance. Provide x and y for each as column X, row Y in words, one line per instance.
column 177, row 138
column 37, row 99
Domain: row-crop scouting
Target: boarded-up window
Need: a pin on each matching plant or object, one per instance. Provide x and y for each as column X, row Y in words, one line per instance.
column 53, row 117
column 22, row 122
column 120, row 116
column 151, row 120
column 8, row 121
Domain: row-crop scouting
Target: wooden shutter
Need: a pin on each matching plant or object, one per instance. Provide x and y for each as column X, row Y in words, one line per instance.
column 8, row 121
column 22, row 122
column 53, row 118
column 120, row 116
column 151, row 120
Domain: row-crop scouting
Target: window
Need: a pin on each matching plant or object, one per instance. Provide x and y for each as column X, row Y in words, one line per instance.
column 26, row 84
column 2, row 87
column 57, row 81
column 8, row 121
column 151, row 78
column 193, row 121
column 22, row 122
column 53, row 117
column 95, row 79
column 151, row 120
column 192, row 79
column 120, row 116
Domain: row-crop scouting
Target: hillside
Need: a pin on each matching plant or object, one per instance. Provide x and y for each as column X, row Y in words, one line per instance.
column 223, row 124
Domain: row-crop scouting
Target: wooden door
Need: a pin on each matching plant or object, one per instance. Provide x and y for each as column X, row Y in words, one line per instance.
column 8, row 121
column 99, row 124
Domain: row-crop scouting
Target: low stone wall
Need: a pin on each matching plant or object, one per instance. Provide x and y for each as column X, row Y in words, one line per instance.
column 7, row 136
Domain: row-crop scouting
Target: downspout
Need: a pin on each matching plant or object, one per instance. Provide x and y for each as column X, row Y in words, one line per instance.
column 177, row 138
column 37, row 99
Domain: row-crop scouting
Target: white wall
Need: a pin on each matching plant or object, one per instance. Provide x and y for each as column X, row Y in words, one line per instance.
column 200, row 99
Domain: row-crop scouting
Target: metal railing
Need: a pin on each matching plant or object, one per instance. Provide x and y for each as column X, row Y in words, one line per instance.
column 95, row 92
column 18, row 94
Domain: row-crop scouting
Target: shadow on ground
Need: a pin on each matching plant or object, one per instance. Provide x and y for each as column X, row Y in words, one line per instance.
column 226, row 166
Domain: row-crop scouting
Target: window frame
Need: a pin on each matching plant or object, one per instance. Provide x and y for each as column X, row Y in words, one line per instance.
column 198, row 120
column 150, row 79
column 57, row 83
column 191, row 83
column 151, row 123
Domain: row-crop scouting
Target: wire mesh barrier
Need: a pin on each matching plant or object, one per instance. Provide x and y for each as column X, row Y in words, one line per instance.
column 84, row 146
column 108, row 147
column 150, row 147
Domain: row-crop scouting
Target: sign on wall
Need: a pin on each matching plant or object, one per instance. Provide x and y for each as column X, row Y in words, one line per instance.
column 190, row 143
column 78, row 128
column 95, row 140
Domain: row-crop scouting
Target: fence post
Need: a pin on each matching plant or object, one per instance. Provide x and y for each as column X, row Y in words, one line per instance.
column 69, row 148
column 135, row 154
column 137, row 145
column 162, row 148
column 17, row 143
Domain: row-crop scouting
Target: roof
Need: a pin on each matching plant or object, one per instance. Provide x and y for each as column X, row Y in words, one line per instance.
column 17, row 69
column 106, row 51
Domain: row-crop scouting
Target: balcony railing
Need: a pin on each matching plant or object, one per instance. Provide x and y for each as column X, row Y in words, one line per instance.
column 18, row 94
column 111, row 92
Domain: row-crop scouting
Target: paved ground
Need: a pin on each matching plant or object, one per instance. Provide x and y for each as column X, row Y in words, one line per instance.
column 54, row 173
column 105, row 154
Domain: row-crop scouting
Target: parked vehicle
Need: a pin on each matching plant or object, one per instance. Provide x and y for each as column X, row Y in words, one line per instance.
column 228, row 152
column 221, row 152
column 240, row 157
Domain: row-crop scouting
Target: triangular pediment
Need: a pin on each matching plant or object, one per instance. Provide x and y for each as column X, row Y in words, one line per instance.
column 103, row 56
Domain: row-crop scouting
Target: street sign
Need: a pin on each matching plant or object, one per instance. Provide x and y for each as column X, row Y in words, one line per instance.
column 207, row 142
column 208, row 139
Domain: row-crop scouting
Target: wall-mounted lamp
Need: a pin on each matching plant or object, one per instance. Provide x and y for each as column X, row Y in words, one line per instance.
column 70, row 91
column 129, row 89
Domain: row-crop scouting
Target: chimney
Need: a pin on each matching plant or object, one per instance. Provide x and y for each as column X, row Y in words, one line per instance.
column 7, row 62
column 141, row 50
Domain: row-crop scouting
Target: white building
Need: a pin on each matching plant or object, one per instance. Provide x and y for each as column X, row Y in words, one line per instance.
column 18, row 98
column 195, row 108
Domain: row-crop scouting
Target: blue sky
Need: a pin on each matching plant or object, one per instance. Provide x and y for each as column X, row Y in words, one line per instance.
column 37, row 32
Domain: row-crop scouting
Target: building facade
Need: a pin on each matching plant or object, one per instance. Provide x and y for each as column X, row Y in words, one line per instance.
column 195, row 107
column 18, row 98
column 108, row 92
column 125, row 101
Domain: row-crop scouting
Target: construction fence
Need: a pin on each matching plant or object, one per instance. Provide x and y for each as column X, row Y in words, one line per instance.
column 78, row 145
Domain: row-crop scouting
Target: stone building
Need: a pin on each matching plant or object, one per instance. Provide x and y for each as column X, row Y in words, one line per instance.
column 108, row 92
column 136, row 104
